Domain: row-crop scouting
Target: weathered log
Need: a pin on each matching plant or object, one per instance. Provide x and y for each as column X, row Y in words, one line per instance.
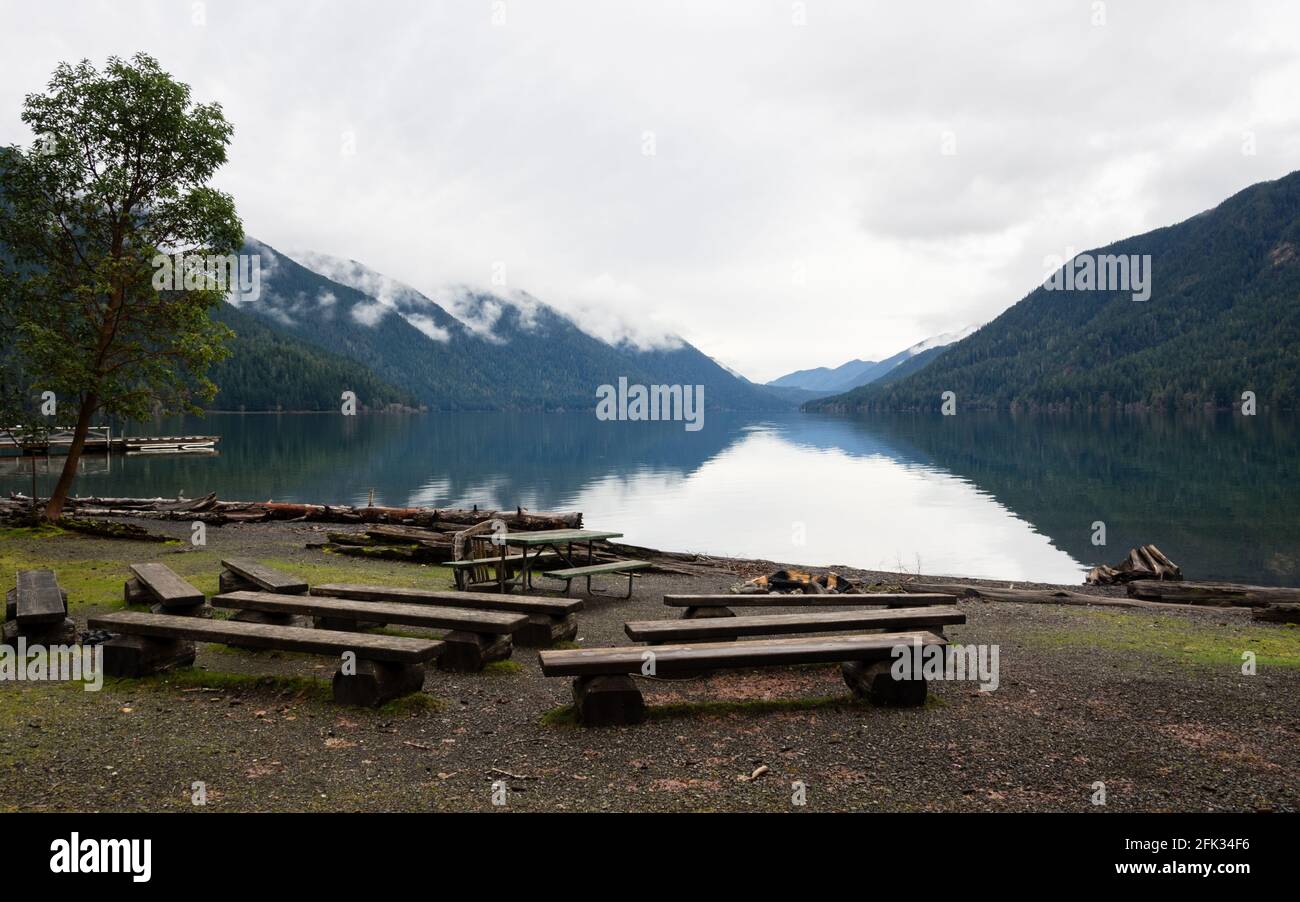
column 416, row 553
column 1277, row 613
column 1040, row 596
column 209, row 507
column 405, row 535
column 110, row 530
column 1208, row 593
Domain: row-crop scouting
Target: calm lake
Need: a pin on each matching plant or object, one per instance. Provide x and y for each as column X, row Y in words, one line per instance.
column 975, row 495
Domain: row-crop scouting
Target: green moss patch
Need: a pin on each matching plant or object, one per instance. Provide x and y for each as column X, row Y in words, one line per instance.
column 1176, row 638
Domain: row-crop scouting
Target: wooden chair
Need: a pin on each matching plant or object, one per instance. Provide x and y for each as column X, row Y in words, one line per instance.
column 463, row 549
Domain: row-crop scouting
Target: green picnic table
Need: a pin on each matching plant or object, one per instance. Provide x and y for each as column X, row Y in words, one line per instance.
column 537, row 543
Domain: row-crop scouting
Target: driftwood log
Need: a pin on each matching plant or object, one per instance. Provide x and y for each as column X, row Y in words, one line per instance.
column 1277, row 613
column 1040, row 596
column 1143, row 562
column 208, row 509
column 110, row 530
column 1216, row 594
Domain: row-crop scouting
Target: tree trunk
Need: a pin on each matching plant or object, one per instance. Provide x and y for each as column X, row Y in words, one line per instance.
column 54, row 508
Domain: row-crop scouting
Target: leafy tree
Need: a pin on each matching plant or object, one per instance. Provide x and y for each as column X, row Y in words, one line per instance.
column 117, row 176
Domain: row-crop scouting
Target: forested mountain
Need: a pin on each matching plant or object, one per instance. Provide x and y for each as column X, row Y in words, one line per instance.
column 1223, row 318
column 271, row 370
column 494, row 353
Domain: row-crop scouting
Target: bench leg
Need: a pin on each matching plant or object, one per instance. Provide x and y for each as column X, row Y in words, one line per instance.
column 605, row 701
column 267, row 618
column 133, row 592
column 874, row 681
column 376, row 682
column 137, row 656
column 230, row 581
column 702, row 613
column 344, row 625
column 63, row 632
column 271, row 618
column 470, row 652
column 594, row 594
column 195, row 610
column 544, row 629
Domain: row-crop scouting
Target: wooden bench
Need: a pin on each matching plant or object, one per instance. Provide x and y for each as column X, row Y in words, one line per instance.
column 721, row 605
column 476, row 638
column 159, row 586
column 604, row 693
column 243, row 575
column 549, row 619
column 37, row 609
column 373, row 669
column 572, row 573
column 656, row 632
column 464, row 570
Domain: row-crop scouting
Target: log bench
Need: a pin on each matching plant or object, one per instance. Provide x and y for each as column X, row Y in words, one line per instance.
column 571, row 573
column 158, row 585
column 477, row 637
column 550, row 620
column 37, row 609
column 721, row 605
column 243, row 575
column 656, row 632
column 604, row 693
column 383, row 667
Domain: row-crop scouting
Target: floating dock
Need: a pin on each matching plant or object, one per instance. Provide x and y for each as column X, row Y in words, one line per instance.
column 100, row 440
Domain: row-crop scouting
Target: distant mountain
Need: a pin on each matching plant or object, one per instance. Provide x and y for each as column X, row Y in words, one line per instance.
column 491, row 353
column 841, row 378
column 823, row 381
column 1223, row 317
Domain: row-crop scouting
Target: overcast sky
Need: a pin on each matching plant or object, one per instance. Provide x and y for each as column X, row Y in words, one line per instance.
column 784, row 184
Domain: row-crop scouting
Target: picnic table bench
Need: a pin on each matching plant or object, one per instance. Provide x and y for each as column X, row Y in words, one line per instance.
column 604, row 693
column 37, row 608
column 373, row 668
column 721, row 605
column 546, row 542
column 159, row 586
column 572, row 573
column 475, row 571
column 476, row 638
column 549, row 619
column 933, row 618
column 241, row 574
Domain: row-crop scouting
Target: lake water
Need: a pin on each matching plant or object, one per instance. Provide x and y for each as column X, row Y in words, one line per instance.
column 976, row 495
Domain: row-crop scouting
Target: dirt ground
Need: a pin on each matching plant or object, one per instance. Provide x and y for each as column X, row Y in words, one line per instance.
column 1154, row 705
